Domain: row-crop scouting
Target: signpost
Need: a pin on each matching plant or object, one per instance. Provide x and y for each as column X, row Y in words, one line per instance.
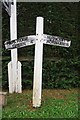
column 14, row 67
column 39, row 39
column 37, row 83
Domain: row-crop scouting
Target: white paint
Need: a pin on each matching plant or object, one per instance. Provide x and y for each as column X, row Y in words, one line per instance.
column 14, row 77
column 37, row 83
column 10, row 77
column 19, row 85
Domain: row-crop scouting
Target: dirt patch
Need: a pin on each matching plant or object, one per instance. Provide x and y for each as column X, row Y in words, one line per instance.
column 30, row 106
column 58, row 93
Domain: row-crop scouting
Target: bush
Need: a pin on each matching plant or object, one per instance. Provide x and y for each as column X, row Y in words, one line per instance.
column 56, row 74
column 60, row 74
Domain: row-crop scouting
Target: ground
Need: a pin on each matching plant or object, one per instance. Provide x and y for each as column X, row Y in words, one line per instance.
column 56, row 103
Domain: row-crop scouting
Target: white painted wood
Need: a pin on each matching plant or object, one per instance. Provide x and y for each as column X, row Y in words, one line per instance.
column 13, row 31
column 37, row 83
column 19, row 82
column 12, row 85
column 10, row 77
column 12, row 71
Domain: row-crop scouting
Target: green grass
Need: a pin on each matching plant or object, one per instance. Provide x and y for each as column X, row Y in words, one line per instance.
column 55, row 104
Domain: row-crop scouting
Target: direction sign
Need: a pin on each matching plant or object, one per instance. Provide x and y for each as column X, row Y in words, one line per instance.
column 55, row 40
column 21, row 42
column 30, row 40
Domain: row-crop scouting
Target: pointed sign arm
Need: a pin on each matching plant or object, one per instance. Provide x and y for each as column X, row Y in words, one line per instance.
column 55, row 40
column 21, row 42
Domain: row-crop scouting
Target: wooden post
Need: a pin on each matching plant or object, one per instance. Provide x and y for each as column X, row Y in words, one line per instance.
column 37, row 84
column 3, row 99
column 13, row 65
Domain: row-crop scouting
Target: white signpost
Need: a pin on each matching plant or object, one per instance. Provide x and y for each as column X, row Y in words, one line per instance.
column 37, row 83
column 38, row 40
column 14, row 67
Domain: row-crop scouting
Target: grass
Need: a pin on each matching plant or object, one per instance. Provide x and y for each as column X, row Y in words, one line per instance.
column 55, row 104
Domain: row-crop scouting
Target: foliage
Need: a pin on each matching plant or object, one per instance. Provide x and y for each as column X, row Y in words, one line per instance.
column 60, row 74
column 27, row 71
column 4, row 75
